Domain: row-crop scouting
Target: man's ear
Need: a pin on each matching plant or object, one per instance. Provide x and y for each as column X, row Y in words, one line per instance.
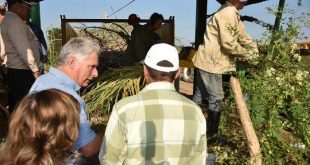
column 72, row 62
column 145, row 71
column 146, row 74
column 177, row 74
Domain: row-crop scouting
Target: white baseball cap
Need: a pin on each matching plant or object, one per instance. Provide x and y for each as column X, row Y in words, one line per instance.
column 161, row 52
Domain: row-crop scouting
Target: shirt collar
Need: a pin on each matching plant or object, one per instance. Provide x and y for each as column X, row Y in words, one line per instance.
column 229, row 4
column 159, row 85
column 61, row 75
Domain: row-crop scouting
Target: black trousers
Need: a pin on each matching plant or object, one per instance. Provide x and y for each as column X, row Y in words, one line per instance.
column 19, row 84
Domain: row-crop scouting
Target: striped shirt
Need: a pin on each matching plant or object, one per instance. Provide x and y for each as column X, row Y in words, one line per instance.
column 157, row 126
column 58, row 80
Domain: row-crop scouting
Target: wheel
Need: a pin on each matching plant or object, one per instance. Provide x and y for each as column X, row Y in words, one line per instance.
column 186, row 74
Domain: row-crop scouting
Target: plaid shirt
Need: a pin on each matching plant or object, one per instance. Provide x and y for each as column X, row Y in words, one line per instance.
column 157, row 126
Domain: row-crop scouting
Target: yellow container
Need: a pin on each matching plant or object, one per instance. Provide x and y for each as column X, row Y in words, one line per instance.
column 188, row 61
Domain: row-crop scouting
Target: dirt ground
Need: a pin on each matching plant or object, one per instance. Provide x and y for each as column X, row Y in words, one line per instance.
column 186, row 89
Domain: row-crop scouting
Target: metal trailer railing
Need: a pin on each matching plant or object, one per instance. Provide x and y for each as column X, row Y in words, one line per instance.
column 168, row 35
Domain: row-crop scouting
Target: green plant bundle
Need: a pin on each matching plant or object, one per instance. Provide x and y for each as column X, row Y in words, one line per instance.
column 279, row 104
column 111, row 86
column 54, row 46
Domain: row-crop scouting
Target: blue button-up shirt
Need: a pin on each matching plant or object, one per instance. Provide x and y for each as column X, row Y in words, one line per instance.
column 58, row 80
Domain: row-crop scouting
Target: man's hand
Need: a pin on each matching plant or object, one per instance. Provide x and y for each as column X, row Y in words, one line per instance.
column 36, row 74
column 44, row 59
column 93, row 147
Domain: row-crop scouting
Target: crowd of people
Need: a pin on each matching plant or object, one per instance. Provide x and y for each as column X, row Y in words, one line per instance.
column 49, row 123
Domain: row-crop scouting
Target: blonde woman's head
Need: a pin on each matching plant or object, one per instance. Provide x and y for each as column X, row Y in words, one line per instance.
column 43, row 129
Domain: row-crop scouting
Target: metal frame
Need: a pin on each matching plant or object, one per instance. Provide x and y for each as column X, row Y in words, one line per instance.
column 64, row 20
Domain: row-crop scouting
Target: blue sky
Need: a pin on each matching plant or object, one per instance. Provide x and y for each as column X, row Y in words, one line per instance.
column 183, row 10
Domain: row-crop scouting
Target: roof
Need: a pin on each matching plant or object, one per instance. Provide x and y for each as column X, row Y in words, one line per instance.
column 249, row 1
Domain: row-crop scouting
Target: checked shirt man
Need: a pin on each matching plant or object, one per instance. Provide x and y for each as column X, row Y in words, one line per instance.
column 158, row 125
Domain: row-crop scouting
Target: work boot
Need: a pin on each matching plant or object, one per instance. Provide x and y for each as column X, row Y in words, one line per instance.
column 213, row 126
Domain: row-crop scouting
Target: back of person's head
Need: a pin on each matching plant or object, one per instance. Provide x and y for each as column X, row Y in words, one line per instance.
column 22, row 8
column 79, row 48
column 162, row 62
column 239, row 4
column 12, row 2
column 3, row 8
column 156, row 17
column 42, row 130
column 133, row 19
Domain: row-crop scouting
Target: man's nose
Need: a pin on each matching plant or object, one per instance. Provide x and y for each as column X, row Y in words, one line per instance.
column 95, row 72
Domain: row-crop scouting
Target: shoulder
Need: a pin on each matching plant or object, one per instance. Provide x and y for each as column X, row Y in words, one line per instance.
column 226, row 11
column 11, row 18
column 49, row 81
column 127, row 103
column 227, row 8
column 46, row 80
column 12, row 21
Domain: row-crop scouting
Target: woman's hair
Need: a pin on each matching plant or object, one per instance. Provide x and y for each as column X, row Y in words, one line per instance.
column 78, row 47
column 42, row 130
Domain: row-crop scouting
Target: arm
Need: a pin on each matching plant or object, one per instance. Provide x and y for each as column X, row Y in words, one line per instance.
column 246, row 41
column 228, row 33
column 42, row 38
column 2, row 51
column 93, row 147
column 43, row 45
column 88, row 142
column 114, row 144
column 18, row 35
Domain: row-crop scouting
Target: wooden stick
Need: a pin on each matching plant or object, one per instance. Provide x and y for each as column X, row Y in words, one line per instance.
column 252, row 140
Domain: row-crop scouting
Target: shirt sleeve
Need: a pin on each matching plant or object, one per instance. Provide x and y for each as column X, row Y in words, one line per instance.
column 229, row 33
column 86, row 133
column 2, row 51
column 114, row 147
column 18, row 35
column 246, row 41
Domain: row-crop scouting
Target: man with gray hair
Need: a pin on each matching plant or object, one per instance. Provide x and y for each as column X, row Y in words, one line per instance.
column 158, row 125
column 76, row 67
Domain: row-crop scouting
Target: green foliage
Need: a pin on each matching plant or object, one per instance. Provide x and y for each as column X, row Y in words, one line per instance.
column 54, row 45
column 111, row 86
column 279, row 105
